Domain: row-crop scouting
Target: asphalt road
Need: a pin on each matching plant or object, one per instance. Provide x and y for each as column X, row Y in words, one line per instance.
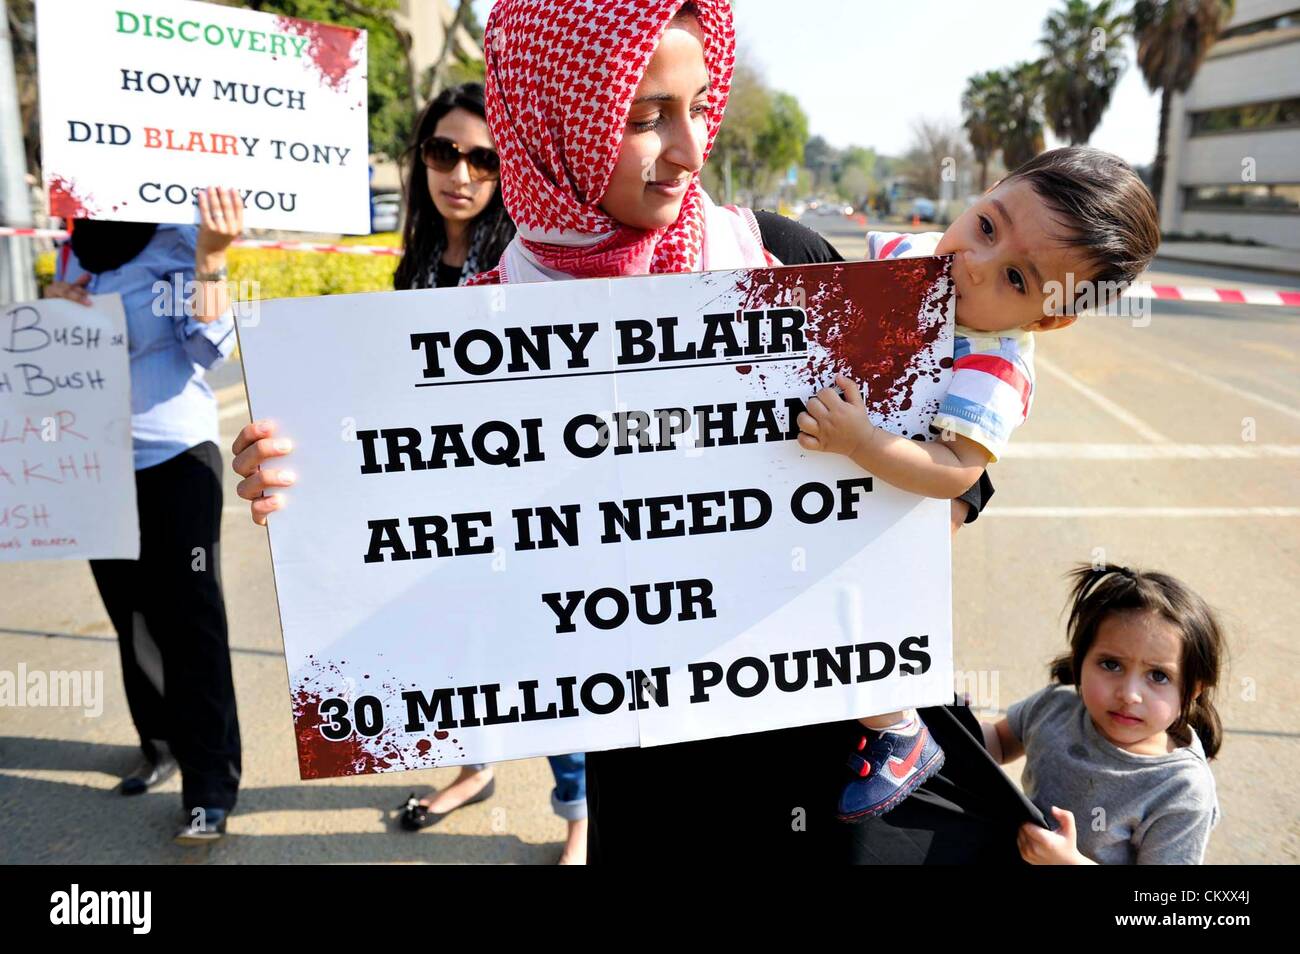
column 1171, row 441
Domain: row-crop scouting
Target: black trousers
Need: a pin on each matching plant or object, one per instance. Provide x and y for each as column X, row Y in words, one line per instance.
column 769, row 797
column 170, row 617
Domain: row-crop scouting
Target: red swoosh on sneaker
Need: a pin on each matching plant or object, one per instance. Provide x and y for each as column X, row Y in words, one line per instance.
column 900, row 769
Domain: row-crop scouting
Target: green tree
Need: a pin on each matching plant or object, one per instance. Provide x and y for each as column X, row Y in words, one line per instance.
column 1022, row 114
column 736, row 145
column 858, row 175
column 1173, row 37
column 938, row 150
column 391, row 91
column 855, row 184
column 452, row 66
column 982, row 104
column 862, row 156
column 781, row 141
column 822, row 160
column 1083, row 62
column 762, row 134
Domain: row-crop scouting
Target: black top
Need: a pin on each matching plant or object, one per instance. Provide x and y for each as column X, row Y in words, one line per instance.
column 792, row 243
column 768, row 797
column 448, row 276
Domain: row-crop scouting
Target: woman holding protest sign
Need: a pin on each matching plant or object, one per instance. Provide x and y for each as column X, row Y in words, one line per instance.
column 603, row 133
column 167, row 606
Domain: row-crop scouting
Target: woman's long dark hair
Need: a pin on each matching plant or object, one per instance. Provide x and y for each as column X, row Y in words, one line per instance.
column 1099, row 591
column 424, row 233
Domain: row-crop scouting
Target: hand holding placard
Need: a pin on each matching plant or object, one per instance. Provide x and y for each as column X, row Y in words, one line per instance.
column 518, row 510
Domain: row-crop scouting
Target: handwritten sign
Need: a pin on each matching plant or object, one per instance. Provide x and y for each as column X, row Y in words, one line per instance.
column 571, row 516
column 146, row 101
column 67, row 484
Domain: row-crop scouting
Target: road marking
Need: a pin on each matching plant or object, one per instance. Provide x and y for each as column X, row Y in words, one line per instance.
column 1103, row 402
column 1060, row 513
column 1287, row 409
column 1081, row 451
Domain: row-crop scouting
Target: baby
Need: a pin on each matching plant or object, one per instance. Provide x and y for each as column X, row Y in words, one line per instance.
column 1071, row 222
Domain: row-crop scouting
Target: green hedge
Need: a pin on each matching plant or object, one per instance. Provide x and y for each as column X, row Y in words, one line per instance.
column 44, row 269
column 280, row 274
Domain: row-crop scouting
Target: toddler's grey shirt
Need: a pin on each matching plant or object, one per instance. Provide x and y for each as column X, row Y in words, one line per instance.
column 1128, row 809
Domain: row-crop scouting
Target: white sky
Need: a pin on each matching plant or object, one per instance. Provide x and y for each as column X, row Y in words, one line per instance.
column 864, row 70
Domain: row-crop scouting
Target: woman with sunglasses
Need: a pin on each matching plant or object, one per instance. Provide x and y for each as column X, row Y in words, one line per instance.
column 456, row 223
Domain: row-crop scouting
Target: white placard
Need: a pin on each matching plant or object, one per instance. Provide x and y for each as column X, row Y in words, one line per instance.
column 67, row 482
column 145, row 101
column 467, row 571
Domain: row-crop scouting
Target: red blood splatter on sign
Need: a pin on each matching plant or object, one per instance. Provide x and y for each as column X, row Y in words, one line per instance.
column 391, row 750
column 331, row 48
column 440, row 734
column 318, row 757
column 66, row 202
column 872, row 322
column 744, row 368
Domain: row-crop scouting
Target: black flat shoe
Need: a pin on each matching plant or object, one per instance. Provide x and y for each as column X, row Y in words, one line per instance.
column 208, row 826
column 416, row 817
column 148, row 775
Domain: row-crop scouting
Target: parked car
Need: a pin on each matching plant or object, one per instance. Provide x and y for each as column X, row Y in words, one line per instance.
column 385, row 211
column 924, row 208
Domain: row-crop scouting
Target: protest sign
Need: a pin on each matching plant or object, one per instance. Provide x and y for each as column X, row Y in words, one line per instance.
column 67, row 482
column 569, row 516
column 146, row 101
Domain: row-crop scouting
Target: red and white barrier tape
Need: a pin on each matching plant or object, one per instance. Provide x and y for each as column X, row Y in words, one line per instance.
column 60, row 234
column 1197, row 293
column 319, row 247
column 1236, row 296
column 33, row 233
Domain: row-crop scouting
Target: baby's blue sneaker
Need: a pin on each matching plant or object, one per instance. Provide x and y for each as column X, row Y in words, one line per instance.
column 890, row 769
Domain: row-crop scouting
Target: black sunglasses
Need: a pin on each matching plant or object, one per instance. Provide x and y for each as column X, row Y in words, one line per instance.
column 444, row 155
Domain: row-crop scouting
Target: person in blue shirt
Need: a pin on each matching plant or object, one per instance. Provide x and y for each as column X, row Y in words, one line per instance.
column 167, row 606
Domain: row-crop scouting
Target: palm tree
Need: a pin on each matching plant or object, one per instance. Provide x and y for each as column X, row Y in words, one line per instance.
column 1020, row 106
column 1083, row 62
column 1173, row 37
column 981, row 104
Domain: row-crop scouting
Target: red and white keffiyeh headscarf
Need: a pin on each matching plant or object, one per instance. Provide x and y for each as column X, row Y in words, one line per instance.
column 561, row 77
